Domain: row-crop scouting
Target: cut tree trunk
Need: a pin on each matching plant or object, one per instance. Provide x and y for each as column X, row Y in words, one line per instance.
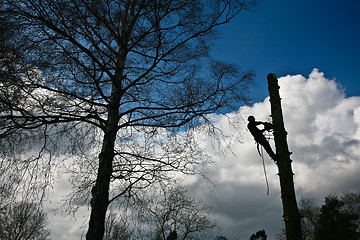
column 291, row 212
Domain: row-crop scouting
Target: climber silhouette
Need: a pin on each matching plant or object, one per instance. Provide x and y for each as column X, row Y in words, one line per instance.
column 259, row 136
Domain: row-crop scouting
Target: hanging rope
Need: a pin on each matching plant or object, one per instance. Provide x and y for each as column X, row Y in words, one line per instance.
column 261, row 153
column 266, row 179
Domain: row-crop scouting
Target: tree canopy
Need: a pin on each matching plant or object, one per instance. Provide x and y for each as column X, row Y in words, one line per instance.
column 259, row 235
column 336, row 222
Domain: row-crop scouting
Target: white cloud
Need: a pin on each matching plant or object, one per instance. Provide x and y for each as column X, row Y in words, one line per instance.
column 323, row 128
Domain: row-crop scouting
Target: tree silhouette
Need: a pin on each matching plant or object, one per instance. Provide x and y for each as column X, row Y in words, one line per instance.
column 108, row 84
column 335, row 223
column 163, row 212
column 309, row 212
column 23, row 220
column 259, row 235
column 338, row 218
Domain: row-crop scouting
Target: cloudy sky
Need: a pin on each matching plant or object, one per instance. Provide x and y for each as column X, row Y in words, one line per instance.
column 312, row 46
column 323, row 126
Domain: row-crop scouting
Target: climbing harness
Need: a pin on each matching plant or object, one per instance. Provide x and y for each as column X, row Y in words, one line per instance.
column 260, row 139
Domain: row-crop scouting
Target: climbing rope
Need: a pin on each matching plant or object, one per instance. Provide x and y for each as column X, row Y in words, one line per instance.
column 261, row 153
column 266, row 179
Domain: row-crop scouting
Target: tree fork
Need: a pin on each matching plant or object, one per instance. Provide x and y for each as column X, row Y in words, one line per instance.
column 291, row 212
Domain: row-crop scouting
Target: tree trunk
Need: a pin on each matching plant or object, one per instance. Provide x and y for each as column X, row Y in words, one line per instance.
column 291, row 212
column 100, row 192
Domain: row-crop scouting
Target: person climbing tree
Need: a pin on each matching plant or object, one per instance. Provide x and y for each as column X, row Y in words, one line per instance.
column 259, row 136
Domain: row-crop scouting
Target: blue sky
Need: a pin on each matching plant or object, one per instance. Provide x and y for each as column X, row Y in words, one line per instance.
column 293, row 37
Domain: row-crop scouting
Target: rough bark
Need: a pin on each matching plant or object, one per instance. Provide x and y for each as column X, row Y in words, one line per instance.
column 291, row 212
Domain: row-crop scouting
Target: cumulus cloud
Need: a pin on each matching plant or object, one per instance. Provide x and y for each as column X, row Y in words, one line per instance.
column 323, row 134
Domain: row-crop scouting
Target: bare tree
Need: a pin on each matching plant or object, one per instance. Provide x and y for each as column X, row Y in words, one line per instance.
column 161, row 213
column 23, row 221
column 309, row 217
column 118, row 228
column 112, row 77
column 174, row 210
column 21, row 151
